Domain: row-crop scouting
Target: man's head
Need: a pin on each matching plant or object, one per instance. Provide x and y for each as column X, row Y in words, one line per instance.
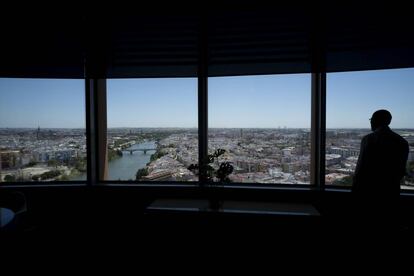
column 380, row 118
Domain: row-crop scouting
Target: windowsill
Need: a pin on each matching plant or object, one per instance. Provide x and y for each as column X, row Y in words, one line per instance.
column 254, row 186
column 232, row 207
column 42, row 185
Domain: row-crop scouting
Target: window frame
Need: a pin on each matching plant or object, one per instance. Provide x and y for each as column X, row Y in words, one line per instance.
column 96, row 112
column 64, row 183
column 96, row 129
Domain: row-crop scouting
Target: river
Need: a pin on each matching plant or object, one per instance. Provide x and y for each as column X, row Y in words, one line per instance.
column 125, row 167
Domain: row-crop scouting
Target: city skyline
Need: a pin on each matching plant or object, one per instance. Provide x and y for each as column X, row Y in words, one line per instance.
column 269, row 101
column 269, row 156
column 193, row 128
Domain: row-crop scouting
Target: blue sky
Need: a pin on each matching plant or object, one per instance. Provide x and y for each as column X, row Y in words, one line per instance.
column 352, row 97
column 152, row 102
column 252, row 101
column 45, row 103
column 269, row 101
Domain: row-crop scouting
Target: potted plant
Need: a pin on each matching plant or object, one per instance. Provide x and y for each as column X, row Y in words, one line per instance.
column 216, row 173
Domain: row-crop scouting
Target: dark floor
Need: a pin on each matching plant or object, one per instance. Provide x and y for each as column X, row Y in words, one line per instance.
column 119, row 218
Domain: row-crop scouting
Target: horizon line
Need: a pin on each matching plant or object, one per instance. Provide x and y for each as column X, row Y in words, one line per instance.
column 279, row 128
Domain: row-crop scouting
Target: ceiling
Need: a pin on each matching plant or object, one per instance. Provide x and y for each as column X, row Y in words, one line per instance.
column 288, row 38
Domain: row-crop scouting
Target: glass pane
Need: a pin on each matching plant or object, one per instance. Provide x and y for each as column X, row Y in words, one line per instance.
column 152, row 129
column 42, row 130
column 352, row 97
column 263, row 124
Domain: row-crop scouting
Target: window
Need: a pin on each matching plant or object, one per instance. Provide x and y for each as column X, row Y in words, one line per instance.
column 42, row 130
column 152, row 129
column 263, row 124
column 352, row 97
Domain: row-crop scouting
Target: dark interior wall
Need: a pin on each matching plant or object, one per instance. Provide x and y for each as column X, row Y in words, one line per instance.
column 84, row 211
column 58, row 50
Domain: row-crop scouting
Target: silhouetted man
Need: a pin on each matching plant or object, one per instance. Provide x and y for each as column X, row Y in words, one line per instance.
column 380, row 168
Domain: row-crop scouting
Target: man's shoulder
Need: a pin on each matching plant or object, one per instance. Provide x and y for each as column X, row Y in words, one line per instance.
column 389, row 135
column 399, row 138
column 368, row 137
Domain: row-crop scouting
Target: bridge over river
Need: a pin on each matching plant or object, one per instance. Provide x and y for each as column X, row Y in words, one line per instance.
column 131, row 151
